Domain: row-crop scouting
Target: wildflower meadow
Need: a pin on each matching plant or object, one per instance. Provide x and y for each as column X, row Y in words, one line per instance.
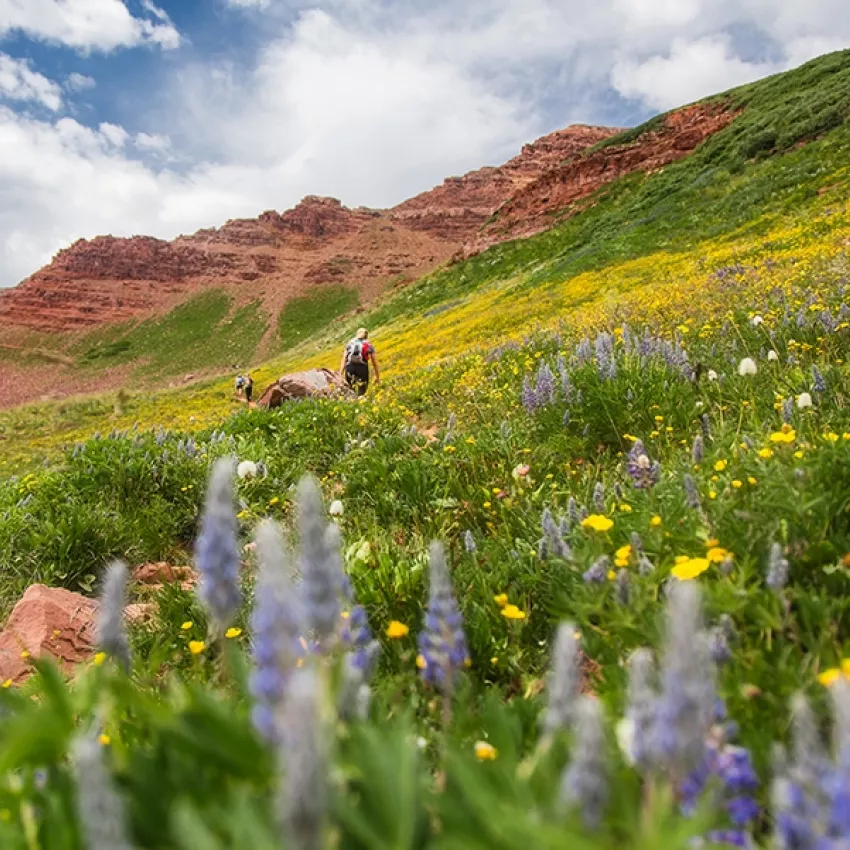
column 575, row 576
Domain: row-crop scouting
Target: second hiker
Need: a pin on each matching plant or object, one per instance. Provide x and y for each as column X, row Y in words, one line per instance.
column 354, row 368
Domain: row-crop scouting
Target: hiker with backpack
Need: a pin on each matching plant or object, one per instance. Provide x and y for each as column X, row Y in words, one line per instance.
column 240, row 383
column 354, row 369
column 249, row 388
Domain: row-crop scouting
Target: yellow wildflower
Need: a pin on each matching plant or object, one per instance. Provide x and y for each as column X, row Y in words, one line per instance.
column 187, row 625
column 104, row 739
column 501, row 600
column 622, row 555
column 597, row 522
column 99, row 658
column 421, row 663
column 720, row 465
column 655, row 521
column 752, row 480
column 829, row 677
column 485, row 751
column 690, row 568
column 233, row 632
column 783, row 436
column 196, row 647
column 626, row 509
column 513, row 613
column 737, row 484
column 273, row 501
column 717, row 554
column 766, row 453
column 7, row 683
column 397, row 630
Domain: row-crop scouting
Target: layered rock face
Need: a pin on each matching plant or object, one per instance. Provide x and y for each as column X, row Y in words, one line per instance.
column 277, row 256
column 530, row 209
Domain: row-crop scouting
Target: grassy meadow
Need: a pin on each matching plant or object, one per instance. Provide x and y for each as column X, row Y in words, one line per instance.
column 630, row 436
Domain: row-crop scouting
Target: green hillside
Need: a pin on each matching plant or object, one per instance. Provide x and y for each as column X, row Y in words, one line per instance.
column 632, row 429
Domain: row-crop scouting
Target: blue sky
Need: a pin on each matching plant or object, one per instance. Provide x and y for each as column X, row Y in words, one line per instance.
column 135, row 116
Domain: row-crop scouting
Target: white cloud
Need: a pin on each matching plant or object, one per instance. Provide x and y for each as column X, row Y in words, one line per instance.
column 370, row 101
column 693, row 69
column 154, row 142
column 79, row 82
column 246, row 4
column 18, row 81
column 85, row 24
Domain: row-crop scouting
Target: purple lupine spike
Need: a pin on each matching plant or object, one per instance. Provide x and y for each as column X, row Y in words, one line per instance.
column 777, row 570
column 217, row 549
column 818, row 383
column 111, row 624
column 584, row 784
column 687, row 701
column 277, row 626
column 544, row 387
column 635, row 730
column 529, row 396
column 787, row 410
column 691, row 493
column 599, row 497
column 697, row 450
column 304, row 758
column 442, row 643
column 597, row 573
column 469, row 542
column 564, row 682
column 553, row 538
column 319, row 563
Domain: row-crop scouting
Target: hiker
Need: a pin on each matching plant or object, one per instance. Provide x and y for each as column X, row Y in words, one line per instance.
column 240, row 383
column 354, row 369
column 249, row 388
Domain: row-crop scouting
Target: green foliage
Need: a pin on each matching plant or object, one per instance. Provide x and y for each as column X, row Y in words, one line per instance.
column 307, row 315
column 198, row 334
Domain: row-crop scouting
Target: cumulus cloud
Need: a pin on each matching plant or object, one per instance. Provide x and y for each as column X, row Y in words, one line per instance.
column 691, row 70
column 79, row 82
column 86, row 24
column 18, row 81
column 369, row 101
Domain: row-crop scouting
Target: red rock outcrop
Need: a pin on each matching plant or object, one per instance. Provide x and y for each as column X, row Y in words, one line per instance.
column 531, row 208
column 47, row 621
column 461, row 205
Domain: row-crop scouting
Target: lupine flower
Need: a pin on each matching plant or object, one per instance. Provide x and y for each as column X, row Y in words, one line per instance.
column 645, row 566
column 818, row 383
column 573, row 511
column 686, row 705
column 718, row 640
column 100, row 808
column 787, row 410
column 622, row 587
column 584, row 784
column 597, row 573
column 643, row 471
column 545, row 385
column 777, row 570
column 599, row 497
column 469, row 542
column 529, row 396
column 705, row 423
column 738, row 782
column 566, row 418
column 691, row 493
column 277, row 624
column 442, row 643
column 553, row 541
column 111, row 627
column 319, row 562
column 564, row 683
column 635, row 730
column 304, row 786
column 217, row 548
column 697, row 451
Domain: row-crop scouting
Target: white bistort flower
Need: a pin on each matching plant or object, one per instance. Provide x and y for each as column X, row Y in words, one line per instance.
column 756, row 321
column 247, row 469
column 772, row 355
column 747, row 367
column 712, row 375
column 804, row 400
column 336, row 508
